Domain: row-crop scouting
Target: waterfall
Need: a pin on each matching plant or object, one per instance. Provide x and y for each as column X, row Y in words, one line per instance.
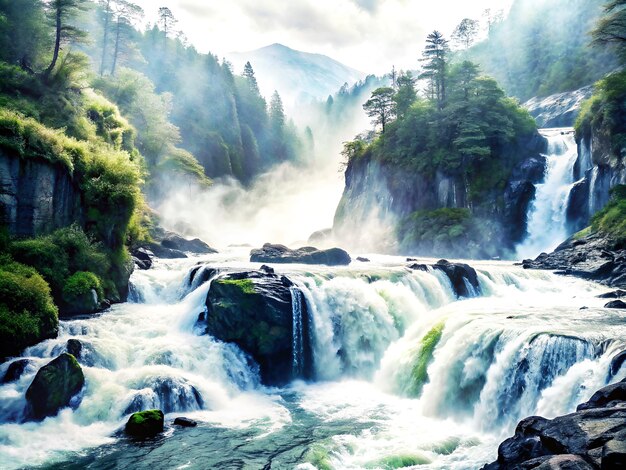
column 547, row 217
column 298, row 333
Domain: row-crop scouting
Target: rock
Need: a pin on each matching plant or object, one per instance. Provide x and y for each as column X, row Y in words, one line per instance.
column 305, row 255
column 166, row 253
column 363, row 260
column 142, row 258
column 145, row 424
column 616, row 294
column 254, row 310
column 418, row 267
column 267, row 269
column 619, row 304
column 462, row 276
column 558, row 462
column 321, row 237
column 617, row 362
column 178, row 243
column 185, row 422
column 605, row 397
column 74, row 347
column 54, row 386
column 15, row 370
column 577, row 213
column 614, row 454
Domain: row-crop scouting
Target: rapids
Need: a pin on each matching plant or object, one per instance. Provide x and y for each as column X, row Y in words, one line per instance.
column 404, row 373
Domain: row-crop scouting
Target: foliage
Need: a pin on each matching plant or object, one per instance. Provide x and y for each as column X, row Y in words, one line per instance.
column 612, row 219
column 435, row 59
column 80, row 284
column 381, row 107
column 428, row 344
column 542, row 48
column 465, row 33
column 611, row 28
column 27, row 312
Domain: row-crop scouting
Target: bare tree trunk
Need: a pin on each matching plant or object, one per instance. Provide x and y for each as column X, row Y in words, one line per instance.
column 117, row 46
column 105, row 39
column 57, row 44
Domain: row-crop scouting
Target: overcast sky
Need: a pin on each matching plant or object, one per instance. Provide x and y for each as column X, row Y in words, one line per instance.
column 369, row 35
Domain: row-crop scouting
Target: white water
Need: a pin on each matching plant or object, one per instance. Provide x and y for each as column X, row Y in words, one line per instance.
column 523, row 347
column 547, row 216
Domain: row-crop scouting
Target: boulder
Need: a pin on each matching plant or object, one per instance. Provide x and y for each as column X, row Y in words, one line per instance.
column 176, row 242
column 614, row 454
column 166, row 253
column 619, row 304
column 611, row 394
column 145, row 424
column 74, row 347
column 361, row 259
column 616, row 363
column 54, row 386
column 616, row 294
column 15, row 370
column 418, row 267
column 305, row 255
column 185, row 422
column 254, row 311
column 142, row 258
column 462, row 276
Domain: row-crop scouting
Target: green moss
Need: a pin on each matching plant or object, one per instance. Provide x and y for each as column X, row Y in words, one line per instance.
column 81, row 284
column 143, row 416
column 318, row 456
column 428, row 344
column 612, row 219
column 246, row 286
column 27, row 312
column 583, row 233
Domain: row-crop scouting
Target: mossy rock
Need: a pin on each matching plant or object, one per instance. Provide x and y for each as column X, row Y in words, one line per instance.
column 54, row 386
column 145, row 424
column 82, row 293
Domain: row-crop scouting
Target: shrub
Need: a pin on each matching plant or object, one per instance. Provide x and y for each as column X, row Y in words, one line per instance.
column 81, row 284
column 27, row 312
column 612, row 219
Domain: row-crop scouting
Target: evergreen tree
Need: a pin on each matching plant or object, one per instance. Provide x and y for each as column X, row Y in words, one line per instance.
column 24, row 33
column 62, row 13
column 248, row 74
column 125, row 13
column 406, row 94
column 611, row 29
column 381, row 107
column 167, row 21
column 435, row 64
column 465, row 33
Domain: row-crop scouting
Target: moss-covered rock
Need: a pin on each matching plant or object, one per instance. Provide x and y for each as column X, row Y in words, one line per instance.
column 82, row 293
column 428, row 344
column 254, row 311
column 54, row 386
column 145, row 423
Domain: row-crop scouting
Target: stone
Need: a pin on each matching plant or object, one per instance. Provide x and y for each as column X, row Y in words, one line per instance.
column 603, row 397
column 174, row 241
column 462, row 277
column 418, row 267
column 617, row 362
column 614, row 454
column 142, row 258
column 15, row 370
column 54, row 386
column 617, row 304
column 145, row 424
column 361, row 259
column 306, row 255
column 185, row 422
column 74, row 347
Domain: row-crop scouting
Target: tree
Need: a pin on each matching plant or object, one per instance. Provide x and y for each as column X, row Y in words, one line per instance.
column 611, row 29
column 248, row 74
column 125, row 14
column 106, row 6
column 381, row 106
column 406, row 94
column 493, row 17
column 167, row 20
column 435, row 60
column 24, row 34
column 277, row 112
column 62, row 13
column 465, row 33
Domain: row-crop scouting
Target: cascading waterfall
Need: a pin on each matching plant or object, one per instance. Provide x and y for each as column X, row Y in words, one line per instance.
column 394, row 353
column 547, row 214
column 298, row 333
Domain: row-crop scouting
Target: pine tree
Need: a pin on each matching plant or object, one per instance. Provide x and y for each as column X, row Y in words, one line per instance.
column 435, row 65
column 62, row 12
column 248, row 73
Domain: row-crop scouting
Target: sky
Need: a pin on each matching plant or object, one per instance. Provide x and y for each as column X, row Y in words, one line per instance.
column 368, row 35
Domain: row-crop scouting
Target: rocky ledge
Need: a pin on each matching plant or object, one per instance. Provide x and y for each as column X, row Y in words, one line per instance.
column 594, row 437
column 593, row 257
column 306, row 255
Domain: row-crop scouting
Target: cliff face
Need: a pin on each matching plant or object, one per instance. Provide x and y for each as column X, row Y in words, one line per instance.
column 378, row 196
column 597, row 170
column 36, row 196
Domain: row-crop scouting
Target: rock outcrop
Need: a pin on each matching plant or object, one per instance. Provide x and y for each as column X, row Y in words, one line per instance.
column 594, row 437
column 307, row 255
column 145, row 424
column 591, row 257
column 54, row 386
column 558, row 110
column 254, row 310
column 462, row 276
column 36, row 196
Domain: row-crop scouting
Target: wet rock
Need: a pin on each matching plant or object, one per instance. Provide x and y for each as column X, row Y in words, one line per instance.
column 363, row 260
column 185, row 422
column 617, row 362
column 616, row 294
column 54, row 386
column 145, row 424
column 611, row 394
column 74, row 347
column 176, row 242
column 166, row 253
column 15, row 370
column 614, row 454
column 142, row 258
column 306, row 255
column 618, row 304
column 254, row 310
column 418, row 267
column 462, row 276
column 266, row 269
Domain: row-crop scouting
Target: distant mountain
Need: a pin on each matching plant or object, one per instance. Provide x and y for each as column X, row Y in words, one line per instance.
column 298, row 76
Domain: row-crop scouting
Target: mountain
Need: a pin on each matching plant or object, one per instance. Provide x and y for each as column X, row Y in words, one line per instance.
column 298, row 76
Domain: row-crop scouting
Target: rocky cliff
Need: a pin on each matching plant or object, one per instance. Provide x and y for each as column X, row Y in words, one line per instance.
column 37, row 196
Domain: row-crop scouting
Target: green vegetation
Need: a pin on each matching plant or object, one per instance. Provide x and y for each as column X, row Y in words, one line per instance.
column 428, row 344
column 27, row 312
column 612, row 219
column 542, row 48
column 246, row 286
column 145, row 423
